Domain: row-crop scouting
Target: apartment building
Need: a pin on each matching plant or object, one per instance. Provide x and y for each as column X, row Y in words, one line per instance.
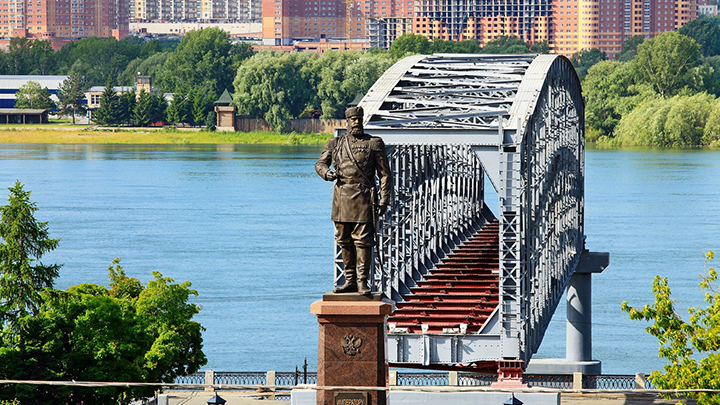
column 568, row 26
column 196, row 10
column 58, row 19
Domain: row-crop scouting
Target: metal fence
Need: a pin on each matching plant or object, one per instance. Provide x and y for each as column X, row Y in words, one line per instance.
column 289, row 379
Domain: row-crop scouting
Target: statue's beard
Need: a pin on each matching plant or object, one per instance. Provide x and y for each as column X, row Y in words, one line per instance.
column 356, row 130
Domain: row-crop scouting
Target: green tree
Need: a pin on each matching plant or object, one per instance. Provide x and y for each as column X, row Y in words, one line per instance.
column 24, row 241
column 144, row 109
column 152, row 66
column 129, row 332
column 30, row 57
column 705, row 33
column 409, row 43
column 362, row 73
column 107, row 113
column 71, row 93
column 32, row 95
column 178, row 111
column 689, row 347
column 629, row 48
column 126, row 106
column 506, row 44
column 541, row 46
column 333, row 97
column 667, row 62
column 711, row 132
column 204, row 60
column 278, row 86
column 585, row 59
column 678, row 121
column 201, row 104
column 610, row 93
column 98, row 59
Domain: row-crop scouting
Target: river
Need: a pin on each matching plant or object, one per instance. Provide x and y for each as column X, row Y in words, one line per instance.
column 249, row 226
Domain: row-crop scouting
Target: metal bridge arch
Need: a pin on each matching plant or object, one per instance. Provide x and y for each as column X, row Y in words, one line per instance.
column 449, row 119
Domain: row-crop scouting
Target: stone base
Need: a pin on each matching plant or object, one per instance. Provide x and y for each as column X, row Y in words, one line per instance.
column 351, row 347
column 563, row 367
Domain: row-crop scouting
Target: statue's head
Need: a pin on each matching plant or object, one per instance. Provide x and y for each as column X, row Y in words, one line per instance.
column 354, row 116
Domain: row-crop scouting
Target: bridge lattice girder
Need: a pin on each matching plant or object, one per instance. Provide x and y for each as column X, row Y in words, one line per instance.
column 449, row 119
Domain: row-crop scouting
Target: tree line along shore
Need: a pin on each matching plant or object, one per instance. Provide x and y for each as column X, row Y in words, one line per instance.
column 659, row 92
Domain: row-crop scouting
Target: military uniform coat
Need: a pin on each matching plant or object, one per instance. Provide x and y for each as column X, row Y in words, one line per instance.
column 352, row 199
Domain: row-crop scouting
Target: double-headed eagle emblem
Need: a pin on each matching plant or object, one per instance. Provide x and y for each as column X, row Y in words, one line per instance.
column 350, row 344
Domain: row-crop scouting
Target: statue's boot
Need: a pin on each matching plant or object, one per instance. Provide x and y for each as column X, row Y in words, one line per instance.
column 364, row 261
column 348, row 258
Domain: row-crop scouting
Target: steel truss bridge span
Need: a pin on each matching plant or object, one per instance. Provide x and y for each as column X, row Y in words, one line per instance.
column 448, row 120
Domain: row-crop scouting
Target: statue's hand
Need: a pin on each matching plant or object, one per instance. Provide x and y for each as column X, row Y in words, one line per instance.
column 331, row 175
column 382, row 209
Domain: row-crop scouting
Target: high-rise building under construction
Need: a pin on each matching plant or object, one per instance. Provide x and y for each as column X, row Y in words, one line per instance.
column 568, row 26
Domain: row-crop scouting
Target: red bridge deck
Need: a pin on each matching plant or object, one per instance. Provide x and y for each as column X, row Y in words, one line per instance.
column 463, row 289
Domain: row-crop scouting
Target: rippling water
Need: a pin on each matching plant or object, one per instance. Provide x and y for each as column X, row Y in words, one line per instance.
column 249, row 226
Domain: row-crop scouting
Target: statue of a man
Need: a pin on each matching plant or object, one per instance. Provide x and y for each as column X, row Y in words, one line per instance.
column 356, row 158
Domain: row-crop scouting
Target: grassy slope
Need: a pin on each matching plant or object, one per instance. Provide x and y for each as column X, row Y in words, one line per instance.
column 78, row 134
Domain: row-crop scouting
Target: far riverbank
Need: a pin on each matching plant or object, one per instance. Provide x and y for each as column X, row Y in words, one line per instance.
column 83, row 134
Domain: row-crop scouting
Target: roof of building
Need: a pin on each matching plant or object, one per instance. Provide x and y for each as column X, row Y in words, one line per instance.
column 116, row 88
column 28, row 111
column 224, row 99
column 15, row 81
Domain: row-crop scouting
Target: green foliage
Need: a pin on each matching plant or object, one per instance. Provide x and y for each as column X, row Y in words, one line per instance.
column 89, row 333
column 711, row 133
column 541, row 46
column 202, row 103
column 179, row 109
column 32, row 95
column 149, row 109
column 666, row 62
column 152, row 66
column 278, row 86
column 609, row 94
column 128, row 333
column 705, row 33
column 629, row 48
column 107, row 113
column 408, row 44
column 690, row 347
column 29, row 57
column 677, row 121
column 585, row 59
column 24, row 241
column 211, row 120
column 126, row 107
column 71, row 94
column 98, row 59
column 204, row 60
column 506, row 44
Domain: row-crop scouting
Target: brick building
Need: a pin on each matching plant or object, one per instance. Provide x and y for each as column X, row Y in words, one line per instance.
column 63, row 19
column 568, row 26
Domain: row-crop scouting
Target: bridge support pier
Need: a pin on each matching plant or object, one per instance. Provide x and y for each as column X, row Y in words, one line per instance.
column 578, row 333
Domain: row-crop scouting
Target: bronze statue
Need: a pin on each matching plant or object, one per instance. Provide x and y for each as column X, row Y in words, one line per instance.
column 356, row 157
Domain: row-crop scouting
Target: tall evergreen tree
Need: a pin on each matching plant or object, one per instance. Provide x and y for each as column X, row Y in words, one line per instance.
column 126, row 104
column 143, row 112
column 71, row 93
column 107, row 114
column 24, row 241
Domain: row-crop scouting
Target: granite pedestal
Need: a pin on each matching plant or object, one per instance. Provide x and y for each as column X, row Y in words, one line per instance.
column 351, row 348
